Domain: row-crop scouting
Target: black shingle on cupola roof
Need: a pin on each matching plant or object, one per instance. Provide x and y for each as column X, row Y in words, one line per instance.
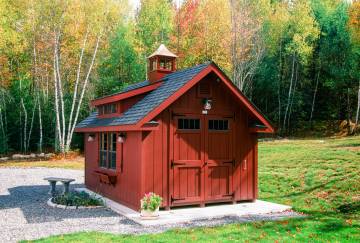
column 171, row 83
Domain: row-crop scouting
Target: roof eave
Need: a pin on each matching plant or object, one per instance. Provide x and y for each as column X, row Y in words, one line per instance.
column 121, row 128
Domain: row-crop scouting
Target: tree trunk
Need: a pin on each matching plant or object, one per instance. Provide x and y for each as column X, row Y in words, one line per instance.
column 293, row 96
column 76, row 87
column 290, row 92
column 25, row 125
column 61, row 96
column 358, row 107
column 31, row 125
column 68, row 142
column 58, row 137
column 279, row 85
column 314, row 97
column 40, row 125
column 348, row 111
column 3, row 141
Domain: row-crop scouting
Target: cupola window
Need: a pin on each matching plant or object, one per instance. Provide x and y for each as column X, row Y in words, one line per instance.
column 161, row 63
column 166, row 63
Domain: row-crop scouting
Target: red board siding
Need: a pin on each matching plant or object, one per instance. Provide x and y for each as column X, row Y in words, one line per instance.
column 128, row 186
column 155, row 158
column 127, row 103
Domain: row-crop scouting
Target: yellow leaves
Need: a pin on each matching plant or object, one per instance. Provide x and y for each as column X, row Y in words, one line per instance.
column 354, row 21
column 303, row 30
column 348, row 222
column 204, row 32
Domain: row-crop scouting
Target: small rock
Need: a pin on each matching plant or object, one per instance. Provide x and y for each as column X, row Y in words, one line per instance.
column 17, row 156
column 49, row 155
column 4, row 159
column 32, row 155
column 41, row 155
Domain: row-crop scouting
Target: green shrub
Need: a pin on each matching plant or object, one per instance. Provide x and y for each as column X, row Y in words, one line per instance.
column 77, row 199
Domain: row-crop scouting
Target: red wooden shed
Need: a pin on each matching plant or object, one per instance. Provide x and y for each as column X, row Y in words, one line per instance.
column 188, row 135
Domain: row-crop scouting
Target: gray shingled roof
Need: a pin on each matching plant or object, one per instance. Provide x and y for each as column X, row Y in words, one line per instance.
column 172, row 83
column 128, row 88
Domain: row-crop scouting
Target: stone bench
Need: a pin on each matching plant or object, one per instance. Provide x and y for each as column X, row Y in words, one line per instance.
column 53, row 180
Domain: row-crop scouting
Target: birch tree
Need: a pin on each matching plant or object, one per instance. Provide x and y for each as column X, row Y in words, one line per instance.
column 95, row 25
column 303, row 33
column 354, row 25
column 247, row 44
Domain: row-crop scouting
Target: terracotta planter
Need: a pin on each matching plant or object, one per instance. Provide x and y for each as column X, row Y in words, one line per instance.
column 148, row 214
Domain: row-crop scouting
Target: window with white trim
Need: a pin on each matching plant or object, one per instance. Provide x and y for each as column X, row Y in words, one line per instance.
column 108, row 150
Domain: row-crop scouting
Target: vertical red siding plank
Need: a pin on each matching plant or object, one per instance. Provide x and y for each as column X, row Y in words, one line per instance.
column 256, row 190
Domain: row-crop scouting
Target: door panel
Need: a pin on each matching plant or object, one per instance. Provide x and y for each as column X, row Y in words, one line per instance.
column 219, row 159
column 218, row 181
column 202, row 159
column 187, row 163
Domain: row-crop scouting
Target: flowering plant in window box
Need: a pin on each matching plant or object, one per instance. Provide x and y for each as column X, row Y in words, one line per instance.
column 150, row 204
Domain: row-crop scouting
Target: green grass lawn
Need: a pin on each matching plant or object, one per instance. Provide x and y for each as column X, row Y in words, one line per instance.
column 320, row 178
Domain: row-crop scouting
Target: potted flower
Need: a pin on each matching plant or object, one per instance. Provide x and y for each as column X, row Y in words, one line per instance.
column 150, row 206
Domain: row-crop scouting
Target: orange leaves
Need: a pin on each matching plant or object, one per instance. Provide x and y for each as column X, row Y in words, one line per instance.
column 203, row 32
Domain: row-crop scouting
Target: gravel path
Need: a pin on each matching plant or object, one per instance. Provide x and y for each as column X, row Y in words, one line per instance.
column 24, row 214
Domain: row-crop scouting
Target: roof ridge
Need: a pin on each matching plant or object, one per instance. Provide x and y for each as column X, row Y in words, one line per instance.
column 138, row 85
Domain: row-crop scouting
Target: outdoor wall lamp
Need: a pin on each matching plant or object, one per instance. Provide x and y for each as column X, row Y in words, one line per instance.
column 91, row 137
column 207, row 105
column 121, row 137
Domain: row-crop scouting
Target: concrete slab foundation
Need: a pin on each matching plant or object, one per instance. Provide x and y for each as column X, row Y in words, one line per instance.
column 188, row 214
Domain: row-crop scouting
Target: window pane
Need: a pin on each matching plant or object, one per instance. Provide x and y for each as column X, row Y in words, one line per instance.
column 186, row 123
column 105, row 147
column 113, row 108
column 103, row 158
column 181, row 123
column 197, row 124
column 190, row 124
column 211, row 124
column 112, row 160
column 162, row 63
column 221, row 125
column 168, row 65
column 218, row 125
column 113, row 147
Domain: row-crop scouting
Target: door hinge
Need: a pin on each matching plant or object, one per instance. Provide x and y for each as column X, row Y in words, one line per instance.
column 173, row 164
column 172, row 199
column 229, row 195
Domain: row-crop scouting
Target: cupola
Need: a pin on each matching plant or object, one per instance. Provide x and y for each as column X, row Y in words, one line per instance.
column 160, row 63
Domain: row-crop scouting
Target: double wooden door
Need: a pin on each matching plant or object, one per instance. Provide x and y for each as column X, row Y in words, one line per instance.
column 202, row 159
